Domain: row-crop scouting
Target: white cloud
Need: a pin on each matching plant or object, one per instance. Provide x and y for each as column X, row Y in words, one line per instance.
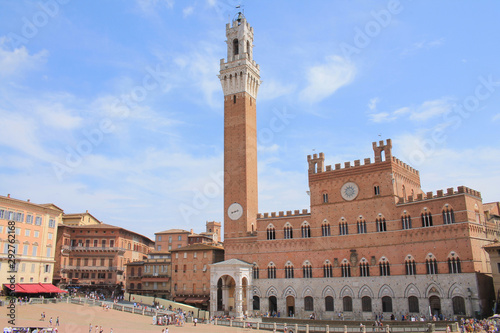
column 268, row 149
column 197, row 67
column 372, row 105
column 18, row 61
column 381, row 117
column 187, row 11
column 148, row 6
column 273, row 89
column 496, row 117
column 20, row 133
column 479, row 173
column 422, row 45
column 431, row 109
column 420, row 113
column 403, row 110
column 58, row 116
column 324, row 80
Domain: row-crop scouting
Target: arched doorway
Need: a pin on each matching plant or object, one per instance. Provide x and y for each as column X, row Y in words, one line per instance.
column 386, row 304
column 458, row 305
column 225, row 294
column 435, row 305
column 256, row 303
column 290, row 306
column 273, row 305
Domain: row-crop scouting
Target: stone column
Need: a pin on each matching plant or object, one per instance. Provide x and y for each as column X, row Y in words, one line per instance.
column 213, row 299
column 249, row 300
column 238, row 300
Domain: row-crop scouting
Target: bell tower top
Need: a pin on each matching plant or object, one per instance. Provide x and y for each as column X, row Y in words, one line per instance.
column 240, row 73
column 239, row 39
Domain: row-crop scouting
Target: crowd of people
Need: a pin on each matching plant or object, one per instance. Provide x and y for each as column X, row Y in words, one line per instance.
column 479, row 326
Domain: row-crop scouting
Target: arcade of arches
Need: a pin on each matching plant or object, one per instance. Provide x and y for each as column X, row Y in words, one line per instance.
column 414, row 305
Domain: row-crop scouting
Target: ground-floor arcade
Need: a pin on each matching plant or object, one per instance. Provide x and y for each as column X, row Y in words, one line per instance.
column 364, row 297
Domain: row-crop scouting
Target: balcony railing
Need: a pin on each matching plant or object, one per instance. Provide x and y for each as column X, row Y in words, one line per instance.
column 94, row 248
column 66, row 268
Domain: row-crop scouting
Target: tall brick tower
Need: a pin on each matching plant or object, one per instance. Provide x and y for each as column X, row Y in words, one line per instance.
column 240, row 80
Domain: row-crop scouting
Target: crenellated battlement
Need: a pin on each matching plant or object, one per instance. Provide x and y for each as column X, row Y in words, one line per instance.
column 288, row 213
column 382, row 148
column 441, row 194
column 405, row 166
column 316, row 162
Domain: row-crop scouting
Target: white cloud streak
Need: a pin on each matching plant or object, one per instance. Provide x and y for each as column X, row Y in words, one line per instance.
column 325, row 79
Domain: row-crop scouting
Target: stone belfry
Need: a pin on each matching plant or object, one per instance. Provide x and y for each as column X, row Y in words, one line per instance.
column 240, row 79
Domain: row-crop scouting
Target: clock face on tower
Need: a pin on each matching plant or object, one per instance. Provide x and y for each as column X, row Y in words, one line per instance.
column 235, row 211
column 349, row 191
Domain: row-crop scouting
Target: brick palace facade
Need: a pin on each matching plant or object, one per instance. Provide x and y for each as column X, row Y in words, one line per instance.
column 372, row 242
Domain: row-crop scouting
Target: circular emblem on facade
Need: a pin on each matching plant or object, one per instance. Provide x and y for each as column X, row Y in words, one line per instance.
column 349, row 191
column 235, row 211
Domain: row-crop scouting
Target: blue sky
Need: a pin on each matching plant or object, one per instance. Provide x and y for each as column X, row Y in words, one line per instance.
column 115, row 106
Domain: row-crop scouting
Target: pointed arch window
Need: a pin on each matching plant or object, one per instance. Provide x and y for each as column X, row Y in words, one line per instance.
column 346, row 269
column 289, row 271
column 364, row 268
column 271, row 271
column 426, row 219
column 271, row 232
column 307, row 270
column 327, row 269
column 343, row 228
column 454, row 265
column 385, row 268
column 381, row 224
column 406, row 222
column 361, row 225
column 288, row 231
column 432, row 266
column 255, row 271
column 325, row 229
column 410, row 266
column 448, row 216
column 306, row 230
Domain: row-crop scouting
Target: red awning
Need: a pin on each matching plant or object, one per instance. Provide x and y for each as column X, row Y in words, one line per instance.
column 50, row 288
column 17, row 288
column 35, row 288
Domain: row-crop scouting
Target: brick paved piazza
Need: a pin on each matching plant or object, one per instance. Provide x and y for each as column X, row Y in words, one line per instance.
column 76, row 319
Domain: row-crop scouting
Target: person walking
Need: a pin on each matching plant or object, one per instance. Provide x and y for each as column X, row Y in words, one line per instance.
column 57, row 321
